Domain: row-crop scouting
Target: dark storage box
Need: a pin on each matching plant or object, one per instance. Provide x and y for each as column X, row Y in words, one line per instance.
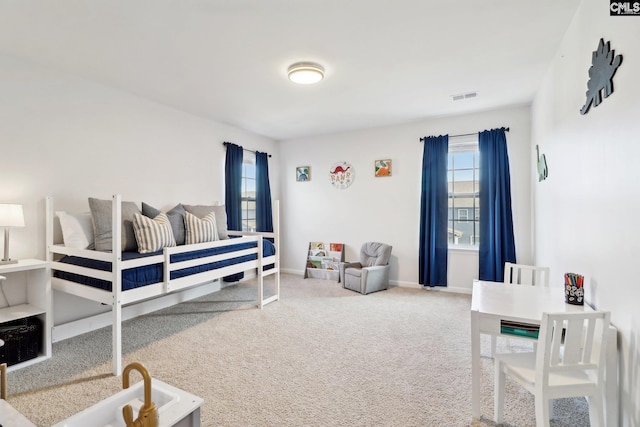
column 22, row 340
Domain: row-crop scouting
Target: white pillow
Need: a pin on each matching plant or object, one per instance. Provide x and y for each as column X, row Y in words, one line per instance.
column 77, row 229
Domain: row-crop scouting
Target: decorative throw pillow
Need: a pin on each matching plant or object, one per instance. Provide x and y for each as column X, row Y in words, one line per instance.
column 153, row 234
column 77, row 229
column 200, row 230
column 102, row 230
column 221, row 216
column 176, row 218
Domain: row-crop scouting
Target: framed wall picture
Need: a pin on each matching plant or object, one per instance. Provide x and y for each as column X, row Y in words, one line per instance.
column 303, row 173
column 382, row 167
column 341, row 175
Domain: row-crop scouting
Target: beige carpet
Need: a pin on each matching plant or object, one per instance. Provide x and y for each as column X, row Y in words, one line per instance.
column 321, row 356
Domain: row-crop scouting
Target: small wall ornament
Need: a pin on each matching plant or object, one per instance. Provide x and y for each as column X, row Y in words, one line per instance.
column 604, row 64
column 382, row 167
column 341, row 175
column 303, row 173
column 543, row 171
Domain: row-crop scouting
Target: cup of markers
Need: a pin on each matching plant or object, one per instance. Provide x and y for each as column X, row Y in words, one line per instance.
column 574, row 288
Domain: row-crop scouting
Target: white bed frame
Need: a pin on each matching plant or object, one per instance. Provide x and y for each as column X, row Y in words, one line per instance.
column 117, row 299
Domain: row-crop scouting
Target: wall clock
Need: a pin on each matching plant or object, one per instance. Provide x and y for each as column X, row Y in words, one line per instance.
column 341, row 175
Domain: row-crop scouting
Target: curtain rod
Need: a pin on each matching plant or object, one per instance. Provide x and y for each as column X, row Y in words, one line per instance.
column 464, row 134
column 251, row 151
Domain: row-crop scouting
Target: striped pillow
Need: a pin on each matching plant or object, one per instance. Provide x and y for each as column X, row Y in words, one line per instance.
column 153, row 234
column 200, row 230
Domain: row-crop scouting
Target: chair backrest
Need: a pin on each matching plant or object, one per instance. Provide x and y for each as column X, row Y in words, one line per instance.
column 571, row 343
column 374, row 253
column 521, row 274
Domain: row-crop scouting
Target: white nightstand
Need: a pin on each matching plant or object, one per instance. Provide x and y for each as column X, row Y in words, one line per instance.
column 28, row 290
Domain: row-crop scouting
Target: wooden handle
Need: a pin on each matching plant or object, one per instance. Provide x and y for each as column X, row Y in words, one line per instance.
column 3, row 381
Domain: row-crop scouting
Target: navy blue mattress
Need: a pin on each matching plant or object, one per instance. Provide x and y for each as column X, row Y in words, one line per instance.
column 153, row 273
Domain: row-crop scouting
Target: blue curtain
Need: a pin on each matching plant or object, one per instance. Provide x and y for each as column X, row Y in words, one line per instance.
column 264, row 216
column 233, row 193
column 497, row 244
column 433, row 212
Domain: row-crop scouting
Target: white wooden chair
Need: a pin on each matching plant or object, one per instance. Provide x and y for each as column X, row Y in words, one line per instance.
column 526, row 274
column 521, row 274
column 569, row 362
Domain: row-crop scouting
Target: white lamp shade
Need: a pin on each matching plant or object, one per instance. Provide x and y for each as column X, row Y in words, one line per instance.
column 11, row 215
column 305, row 73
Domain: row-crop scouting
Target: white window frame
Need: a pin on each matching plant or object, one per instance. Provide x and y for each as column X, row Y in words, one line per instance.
column 248, row 182
column 468, row 143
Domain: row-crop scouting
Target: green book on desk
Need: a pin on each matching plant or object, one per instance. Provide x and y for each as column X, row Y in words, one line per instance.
column 519, row 329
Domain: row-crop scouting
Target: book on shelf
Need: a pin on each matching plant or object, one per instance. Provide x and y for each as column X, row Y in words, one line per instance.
column 331, row 265
column 311, row 263
column 323, row 260
column 316, row 245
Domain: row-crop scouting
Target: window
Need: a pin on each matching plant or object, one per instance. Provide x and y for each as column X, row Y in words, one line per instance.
column 248, row 204
column 464, row 190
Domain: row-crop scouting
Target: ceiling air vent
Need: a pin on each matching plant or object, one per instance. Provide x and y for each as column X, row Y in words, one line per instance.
column 464, row 96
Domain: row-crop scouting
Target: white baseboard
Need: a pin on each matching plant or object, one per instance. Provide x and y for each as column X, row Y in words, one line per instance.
column 402, row 284
column 451, row 289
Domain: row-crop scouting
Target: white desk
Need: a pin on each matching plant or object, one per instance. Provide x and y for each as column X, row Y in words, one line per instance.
column 492, row 302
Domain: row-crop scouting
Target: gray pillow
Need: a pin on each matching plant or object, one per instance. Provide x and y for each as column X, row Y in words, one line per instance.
column 221, row 216
column 176, row 218
column 102, row 230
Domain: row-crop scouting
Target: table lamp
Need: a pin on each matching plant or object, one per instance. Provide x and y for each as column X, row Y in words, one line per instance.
column 10, row 216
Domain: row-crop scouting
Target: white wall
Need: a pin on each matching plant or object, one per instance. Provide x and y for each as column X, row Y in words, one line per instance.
column 387, row 209
column 585, row 211
column 65, row 137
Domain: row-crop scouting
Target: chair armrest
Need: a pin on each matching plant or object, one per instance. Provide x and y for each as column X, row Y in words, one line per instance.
column 344, row 266
column 375, row 277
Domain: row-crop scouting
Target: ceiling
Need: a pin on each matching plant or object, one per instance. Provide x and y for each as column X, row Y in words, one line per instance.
column 387, row 62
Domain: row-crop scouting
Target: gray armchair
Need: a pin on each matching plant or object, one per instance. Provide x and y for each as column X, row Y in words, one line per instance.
column 371, row 274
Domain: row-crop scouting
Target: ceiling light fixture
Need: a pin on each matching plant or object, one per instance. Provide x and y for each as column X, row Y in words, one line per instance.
column 305, row 73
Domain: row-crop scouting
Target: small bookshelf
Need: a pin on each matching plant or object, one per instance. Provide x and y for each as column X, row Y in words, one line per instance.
column 323, row 260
